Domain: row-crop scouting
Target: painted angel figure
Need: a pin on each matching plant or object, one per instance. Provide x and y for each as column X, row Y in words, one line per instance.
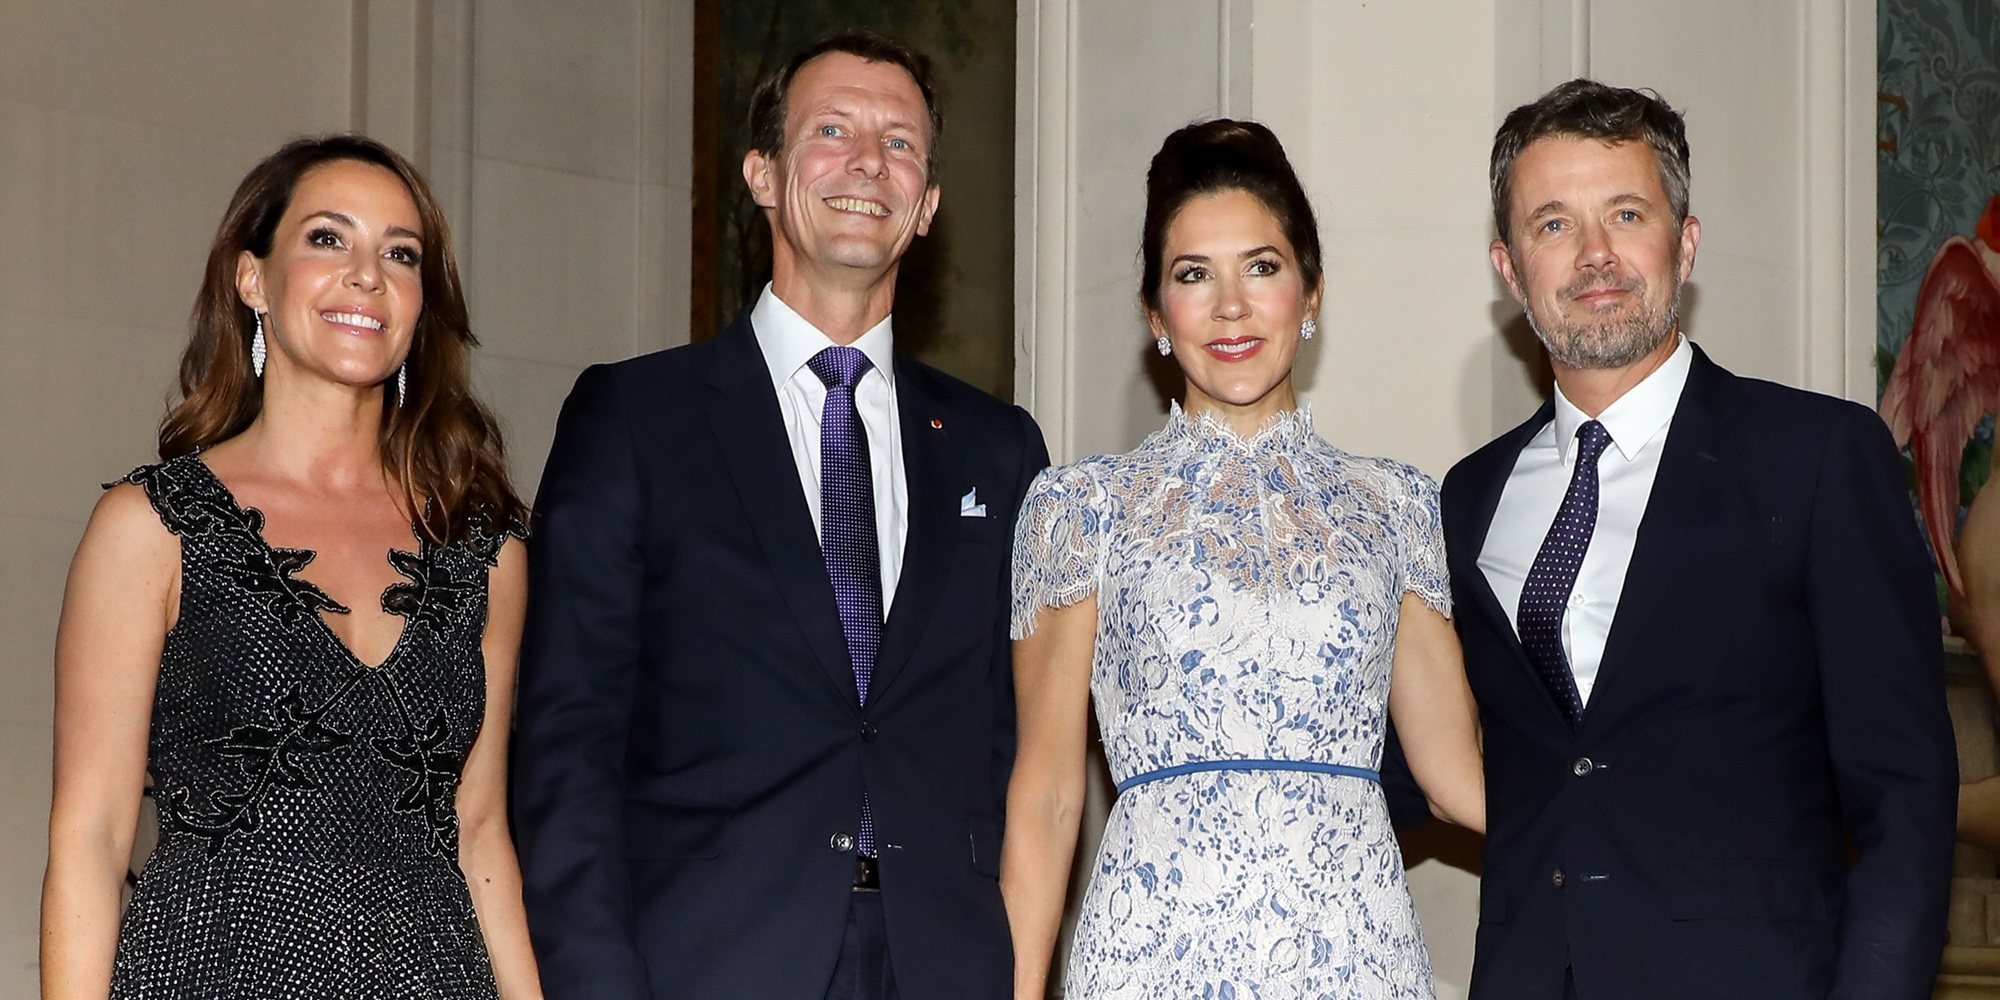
column 1946, row 380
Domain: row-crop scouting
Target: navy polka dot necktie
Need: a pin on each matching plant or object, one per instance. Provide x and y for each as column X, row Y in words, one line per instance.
column 847, row 527
column 1545, row 595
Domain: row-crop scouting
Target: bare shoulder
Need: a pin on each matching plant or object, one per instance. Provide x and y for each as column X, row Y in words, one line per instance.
column 127, row 560
column 509, row 575
column 125, row 522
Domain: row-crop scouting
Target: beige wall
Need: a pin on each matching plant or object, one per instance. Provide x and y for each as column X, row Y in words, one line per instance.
column 555, row 136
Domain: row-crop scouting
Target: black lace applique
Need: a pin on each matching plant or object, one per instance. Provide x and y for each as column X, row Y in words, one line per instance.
column 266, row 573
column 485, row 538
column 180, row 495
column 434, row 770
column 268, row 754
column 434, row 593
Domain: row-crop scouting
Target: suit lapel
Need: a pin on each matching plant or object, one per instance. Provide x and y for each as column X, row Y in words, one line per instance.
column 935, row 475
column 750, row 432
column 1685, row 492
column 1462, row 554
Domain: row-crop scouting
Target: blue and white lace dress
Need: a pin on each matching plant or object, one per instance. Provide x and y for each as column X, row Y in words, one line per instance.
column 1247, row 599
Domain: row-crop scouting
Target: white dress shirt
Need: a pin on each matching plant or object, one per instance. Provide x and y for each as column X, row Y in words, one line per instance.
column 1638, row 423
column 788, row 342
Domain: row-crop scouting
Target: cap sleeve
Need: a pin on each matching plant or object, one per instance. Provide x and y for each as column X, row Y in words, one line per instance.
column 1420, row 534
column 1058, row 544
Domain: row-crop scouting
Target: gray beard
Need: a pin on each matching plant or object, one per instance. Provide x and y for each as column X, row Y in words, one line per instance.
column 1616, row 344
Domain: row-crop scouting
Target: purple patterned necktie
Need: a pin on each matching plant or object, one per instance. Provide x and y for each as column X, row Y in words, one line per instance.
column 847, row 527
column 1545, row 595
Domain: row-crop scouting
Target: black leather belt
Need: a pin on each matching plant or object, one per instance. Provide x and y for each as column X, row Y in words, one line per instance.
column 867, row 875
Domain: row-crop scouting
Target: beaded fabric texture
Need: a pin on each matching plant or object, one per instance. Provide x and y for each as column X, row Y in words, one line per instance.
column 308, row 832
column 1248, row 592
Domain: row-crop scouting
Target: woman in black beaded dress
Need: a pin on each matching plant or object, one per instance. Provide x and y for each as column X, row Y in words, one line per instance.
column 329, row 767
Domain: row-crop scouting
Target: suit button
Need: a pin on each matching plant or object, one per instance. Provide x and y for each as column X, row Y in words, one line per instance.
column 869, row 732
column 1557, row 878
column 841, row 842
column 1582, row 767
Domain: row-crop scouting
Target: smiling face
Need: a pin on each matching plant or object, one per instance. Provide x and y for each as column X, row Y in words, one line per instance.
column 1595, row 255
column 850, row 189
column 342, row 287
column 1231, row 301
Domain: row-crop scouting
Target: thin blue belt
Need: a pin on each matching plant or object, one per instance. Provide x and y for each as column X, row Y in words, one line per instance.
column 1345, row 770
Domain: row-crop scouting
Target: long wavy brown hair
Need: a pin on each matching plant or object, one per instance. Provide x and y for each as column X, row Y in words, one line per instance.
column 440, row 446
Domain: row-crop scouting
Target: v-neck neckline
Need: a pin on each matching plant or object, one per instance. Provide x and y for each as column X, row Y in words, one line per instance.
column 255, row 528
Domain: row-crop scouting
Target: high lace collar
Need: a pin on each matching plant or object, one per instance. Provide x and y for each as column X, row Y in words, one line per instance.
column 1284, row 430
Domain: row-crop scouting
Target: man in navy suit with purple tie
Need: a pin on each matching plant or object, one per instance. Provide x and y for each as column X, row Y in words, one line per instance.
column 766, row 716
column 1699, row 622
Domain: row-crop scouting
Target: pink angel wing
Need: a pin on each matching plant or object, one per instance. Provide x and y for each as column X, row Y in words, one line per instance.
column 1946, row 377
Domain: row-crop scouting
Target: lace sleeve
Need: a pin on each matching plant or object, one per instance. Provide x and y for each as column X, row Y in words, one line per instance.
column 1421, row 530
column 1058, row 544
column 486, row 534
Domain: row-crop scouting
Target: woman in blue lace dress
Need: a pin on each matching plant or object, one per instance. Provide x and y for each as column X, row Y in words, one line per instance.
column 1245, row 604
column 328, row 765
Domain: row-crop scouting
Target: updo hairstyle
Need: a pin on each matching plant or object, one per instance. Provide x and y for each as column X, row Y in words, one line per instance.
column 1224, row 155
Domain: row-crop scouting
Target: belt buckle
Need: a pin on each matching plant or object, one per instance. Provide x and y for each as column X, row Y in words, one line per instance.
column 867, row 874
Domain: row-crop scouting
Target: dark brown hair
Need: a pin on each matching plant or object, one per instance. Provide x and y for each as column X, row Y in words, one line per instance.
column 1586, row 109
column 441, row 446
column 1224, row 155
column 767, row 102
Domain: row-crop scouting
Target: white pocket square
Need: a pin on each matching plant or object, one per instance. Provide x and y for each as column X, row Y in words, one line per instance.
column 969, row 505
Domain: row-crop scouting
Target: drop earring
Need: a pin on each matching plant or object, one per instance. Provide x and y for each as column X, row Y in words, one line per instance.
column 1166, row 347
column 257, row 351
column 402, row 382
column 1308, row 328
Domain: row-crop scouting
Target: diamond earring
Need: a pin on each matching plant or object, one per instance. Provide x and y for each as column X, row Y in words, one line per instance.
column 1308, row 328
column 257, row 351
column 402, row 382
column 1166, row 347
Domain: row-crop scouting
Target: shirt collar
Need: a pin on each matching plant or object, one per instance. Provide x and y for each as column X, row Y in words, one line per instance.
column 788, row 340
column 1636, row 418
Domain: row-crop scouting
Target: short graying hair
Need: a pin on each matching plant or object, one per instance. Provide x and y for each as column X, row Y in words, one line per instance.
column 1586, row 109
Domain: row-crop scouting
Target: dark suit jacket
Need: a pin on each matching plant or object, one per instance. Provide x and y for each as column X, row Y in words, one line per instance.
column 690, row 758
column 1771, row 687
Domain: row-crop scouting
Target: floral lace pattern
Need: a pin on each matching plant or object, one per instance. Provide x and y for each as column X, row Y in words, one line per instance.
column 1248, row 592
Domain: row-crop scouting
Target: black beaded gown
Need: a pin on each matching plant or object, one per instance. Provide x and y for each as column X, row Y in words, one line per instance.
column 308, row 840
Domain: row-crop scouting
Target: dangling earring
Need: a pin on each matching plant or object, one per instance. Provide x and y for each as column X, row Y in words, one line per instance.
column 402, row 382
column 257, row 348
column 1308, row 328
column 1166, row 347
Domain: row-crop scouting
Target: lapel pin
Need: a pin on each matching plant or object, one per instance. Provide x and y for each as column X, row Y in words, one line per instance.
column 936, row 424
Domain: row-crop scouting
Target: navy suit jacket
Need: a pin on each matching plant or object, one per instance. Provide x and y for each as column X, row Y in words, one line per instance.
column 689, row 754
column 1771, row 687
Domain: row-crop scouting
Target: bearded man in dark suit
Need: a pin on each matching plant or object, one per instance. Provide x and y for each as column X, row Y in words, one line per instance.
column 1699, row 622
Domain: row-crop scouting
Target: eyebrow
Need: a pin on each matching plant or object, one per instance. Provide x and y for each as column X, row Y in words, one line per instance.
column 831, row 111
column 348, row 221
column 1545, row 208
column 1202, row 258
column 1556, row 205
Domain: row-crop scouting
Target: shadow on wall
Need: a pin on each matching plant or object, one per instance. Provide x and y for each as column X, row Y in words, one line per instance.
column 1436, row 841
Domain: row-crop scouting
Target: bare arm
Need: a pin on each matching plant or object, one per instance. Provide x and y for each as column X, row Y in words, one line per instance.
column 486, row 849
column 118, row 604
column 1045, row 797
column 1436, row 718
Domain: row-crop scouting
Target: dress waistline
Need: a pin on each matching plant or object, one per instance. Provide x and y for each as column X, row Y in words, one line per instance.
column 1313, row 766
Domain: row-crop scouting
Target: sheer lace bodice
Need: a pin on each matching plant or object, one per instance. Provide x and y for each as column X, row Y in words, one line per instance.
column 1248, row 591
